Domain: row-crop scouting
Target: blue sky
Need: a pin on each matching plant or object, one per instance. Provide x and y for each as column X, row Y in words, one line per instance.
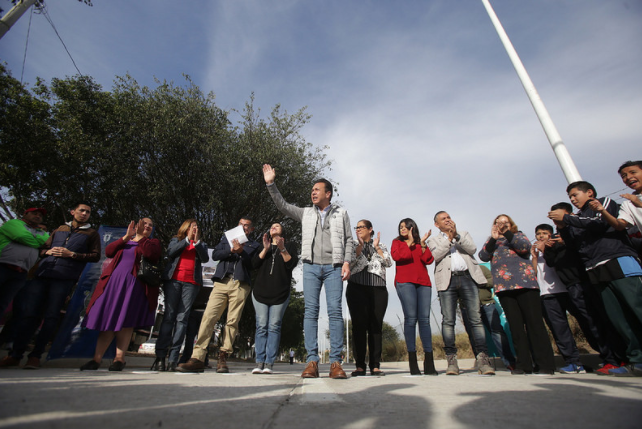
column 417, row 100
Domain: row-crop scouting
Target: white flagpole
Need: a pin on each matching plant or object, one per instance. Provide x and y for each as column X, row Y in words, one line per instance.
column 563, row 156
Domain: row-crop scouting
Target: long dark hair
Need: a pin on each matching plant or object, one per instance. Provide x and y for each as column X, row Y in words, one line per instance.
column 409, row 224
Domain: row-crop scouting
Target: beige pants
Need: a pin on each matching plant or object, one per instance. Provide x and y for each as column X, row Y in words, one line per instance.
column 226, row 293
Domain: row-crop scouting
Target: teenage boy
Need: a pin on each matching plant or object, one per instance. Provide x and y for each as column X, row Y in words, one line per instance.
column 65, row 254
column 630, row 213
column 585, row 302
column 612, row 267
column 555, row 302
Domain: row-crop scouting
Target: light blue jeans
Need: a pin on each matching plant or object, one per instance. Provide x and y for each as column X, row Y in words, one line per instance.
column 415, row 303
column 268, row 330
column 314, row 278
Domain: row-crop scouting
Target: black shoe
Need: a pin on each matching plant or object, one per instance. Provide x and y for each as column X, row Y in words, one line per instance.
column 171, row 367
column 92, row 365
column 377, row 372
column 117, row 365
column 159, row 365
column 358, row 372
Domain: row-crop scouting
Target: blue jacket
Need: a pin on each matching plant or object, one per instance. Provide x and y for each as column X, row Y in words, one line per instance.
column 174, row 251
column 83, row 240
column 239, row 264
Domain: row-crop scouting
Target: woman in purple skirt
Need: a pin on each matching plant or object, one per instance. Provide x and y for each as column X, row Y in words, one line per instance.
column 120, row 301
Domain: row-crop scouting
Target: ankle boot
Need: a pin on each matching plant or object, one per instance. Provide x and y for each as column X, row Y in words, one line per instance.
column 159, row 365
column 429, row 365
column 412, row 360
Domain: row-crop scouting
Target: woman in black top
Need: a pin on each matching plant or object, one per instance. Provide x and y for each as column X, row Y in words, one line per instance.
column 271, row 295
column 367, row 297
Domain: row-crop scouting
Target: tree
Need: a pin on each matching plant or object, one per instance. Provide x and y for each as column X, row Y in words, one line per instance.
column 167, row 152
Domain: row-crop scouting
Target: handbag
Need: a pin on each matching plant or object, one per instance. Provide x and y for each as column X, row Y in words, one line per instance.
column 149, row 273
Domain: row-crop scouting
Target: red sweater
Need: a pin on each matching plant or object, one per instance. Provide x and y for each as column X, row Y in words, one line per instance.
column 411, row 263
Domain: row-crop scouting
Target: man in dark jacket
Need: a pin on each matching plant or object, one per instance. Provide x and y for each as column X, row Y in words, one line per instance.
column 65, row 254
column 231, row 289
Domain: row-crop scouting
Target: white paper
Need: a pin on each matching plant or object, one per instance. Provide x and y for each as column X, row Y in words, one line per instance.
column 236, row 234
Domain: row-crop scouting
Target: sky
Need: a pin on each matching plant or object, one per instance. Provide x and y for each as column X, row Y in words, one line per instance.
column 417, row 101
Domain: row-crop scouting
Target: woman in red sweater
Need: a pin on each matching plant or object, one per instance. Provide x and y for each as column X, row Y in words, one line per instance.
column 411, row 255
column 183, row 278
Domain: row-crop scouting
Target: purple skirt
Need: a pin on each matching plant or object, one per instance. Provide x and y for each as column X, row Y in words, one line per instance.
column 123, row 303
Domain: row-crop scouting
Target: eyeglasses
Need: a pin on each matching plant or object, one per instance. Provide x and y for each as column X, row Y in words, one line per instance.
column 357, row 228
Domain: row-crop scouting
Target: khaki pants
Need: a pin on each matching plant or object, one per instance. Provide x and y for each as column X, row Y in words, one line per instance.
column 226, row 292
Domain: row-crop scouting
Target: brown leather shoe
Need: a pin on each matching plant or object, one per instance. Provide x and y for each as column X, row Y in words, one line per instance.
column 311, row 370
column 337, row 372
column 192, row 365
column 221, row 365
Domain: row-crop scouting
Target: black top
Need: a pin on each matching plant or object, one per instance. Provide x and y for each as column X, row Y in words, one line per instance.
column 274, row 278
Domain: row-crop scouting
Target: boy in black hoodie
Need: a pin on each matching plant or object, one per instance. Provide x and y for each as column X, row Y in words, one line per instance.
column 611, row 264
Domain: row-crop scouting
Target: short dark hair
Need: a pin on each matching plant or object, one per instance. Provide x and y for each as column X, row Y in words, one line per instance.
column 434, row 219
column 562, row 206
column 629, row 164
column 247, row 218
column 545, row 227
column 79, row 203
column 582, row 186
column 328, row 186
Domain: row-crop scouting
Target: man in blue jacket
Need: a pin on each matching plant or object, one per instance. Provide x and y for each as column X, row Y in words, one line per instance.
column 231, row 289
column 65, row 254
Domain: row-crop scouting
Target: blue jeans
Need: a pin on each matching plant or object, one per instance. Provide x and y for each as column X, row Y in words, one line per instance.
column 179, row 298
column 314, row 277
column 40, row 299
column 415, row 303
column 461, row 287
column 490, row 318
column 11, row 281
column 268, row 330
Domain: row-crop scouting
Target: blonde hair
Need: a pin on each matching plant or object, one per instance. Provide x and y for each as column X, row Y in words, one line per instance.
column 513, row 227
column 182, row 231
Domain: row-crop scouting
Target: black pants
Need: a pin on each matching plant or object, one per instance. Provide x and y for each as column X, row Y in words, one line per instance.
column 523, row 311
column 367, row 305
column 554, row 307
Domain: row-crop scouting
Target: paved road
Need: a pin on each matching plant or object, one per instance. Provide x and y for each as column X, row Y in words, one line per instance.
column 60, row 396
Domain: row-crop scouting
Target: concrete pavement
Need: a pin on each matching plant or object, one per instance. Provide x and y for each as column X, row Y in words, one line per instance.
column 61, row 396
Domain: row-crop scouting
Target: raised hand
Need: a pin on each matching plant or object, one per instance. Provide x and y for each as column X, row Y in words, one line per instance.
column 269, row 174
column 140, row 227
column 377, row 240
column 280, row 242
column 266, row 240
column 595, row 205
column 494, row 231
column 131, row 230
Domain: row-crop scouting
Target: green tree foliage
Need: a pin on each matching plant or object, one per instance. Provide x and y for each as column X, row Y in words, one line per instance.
column 167, row 152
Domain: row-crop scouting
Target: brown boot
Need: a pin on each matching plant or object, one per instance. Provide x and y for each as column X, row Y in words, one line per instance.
column 311, row 370
column 192, row 365
column 337, row 372
column 221, row 365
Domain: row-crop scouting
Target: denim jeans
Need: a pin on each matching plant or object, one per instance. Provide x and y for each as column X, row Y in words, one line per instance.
column 11, row 281
column 268, row 330
column 492, row 321
column 415, row 303
column 461, row 287
column 314, row 278
column 40, row 299
column 179, row 298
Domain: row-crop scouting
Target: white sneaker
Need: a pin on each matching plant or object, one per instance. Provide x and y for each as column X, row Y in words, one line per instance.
column 258, row 370
column 267, row 370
